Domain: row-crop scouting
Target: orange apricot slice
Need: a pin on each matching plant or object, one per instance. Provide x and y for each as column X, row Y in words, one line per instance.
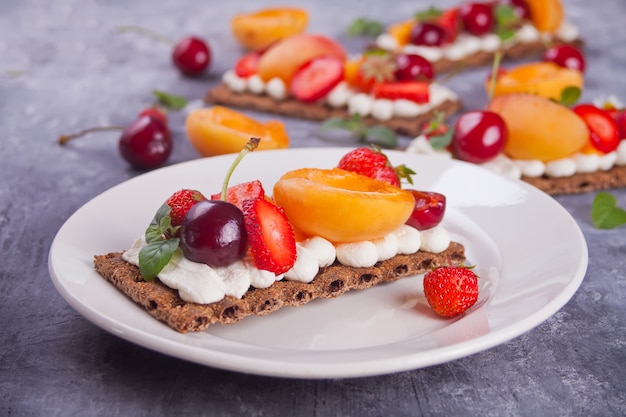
column 401, row 31
column 545, row 79
column 342, row 206
column 219, row 130
column 260, row 29
column 546, row 15
column 539, row 128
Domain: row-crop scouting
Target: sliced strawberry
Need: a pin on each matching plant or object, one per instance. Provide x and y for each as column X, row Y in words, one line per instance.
column 239, row 193
column 416, row 91
column 451, row 24
column 180, row 202
column 270, row 235
column 604, row 132
column 248, row 65
column 317, row 78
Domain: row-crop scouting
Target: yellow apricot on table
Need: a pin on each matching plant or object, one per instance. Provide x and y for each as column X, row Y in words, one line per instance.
column 342, row 206
column 539, row 128
column 545, row 79
column 546, row 15
column 219, row 130
column 260, row 29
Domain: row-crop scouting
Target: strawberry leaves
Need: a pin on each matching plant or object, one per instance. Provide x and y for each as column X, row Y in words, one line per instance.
column 158, row 249
column 604, row 212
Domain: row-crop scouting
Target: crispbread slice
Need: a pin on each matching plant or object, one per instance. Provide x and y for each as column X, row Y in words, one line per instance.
column 319, row 111
column 164, row 303
column 582, row 182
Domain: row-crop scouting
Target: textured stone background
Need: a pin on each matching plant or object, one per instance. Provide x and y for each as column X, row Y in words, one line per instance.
column 63, row 67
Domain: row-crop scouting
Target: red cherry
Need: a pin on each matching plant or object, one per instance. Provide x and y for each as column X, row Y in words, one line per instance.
column 427, row 34
column 428, row 211
column 191, row 55
column 155, row 112
column 146, row 143
column 520, row 7
column 477, row 18
column 566, row 56
column 412, row 67
column 479, row 136
column 603, row 130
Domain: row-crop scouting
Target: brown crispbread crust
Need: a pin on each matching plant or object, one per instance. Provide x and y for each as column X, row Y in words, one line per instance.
column 319, row 111
column 581, row 183
column 164, row 303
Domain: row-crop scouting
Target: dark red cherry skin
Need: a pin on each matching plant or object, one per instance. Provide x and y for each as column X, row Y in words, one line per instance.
column 477, row 18
column 191, row 56
column 565, row 56
column 427, row 34
column 520, row 7
column 479, row 136
column 429, row 209
column 413, row 67
column 146, row 143
column 213, row 232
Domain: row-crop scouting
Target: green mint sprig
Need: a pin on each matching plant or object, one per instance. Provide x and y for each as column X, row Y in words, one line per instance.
column 365, row 27
column 506, row 21
column 170, row 101
column 160, row 246
column 604, row 212
column 360, row 131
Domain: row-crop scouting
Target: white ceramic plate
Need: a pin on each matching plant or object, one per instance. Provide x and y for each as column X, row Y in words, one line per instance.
column 529, row 252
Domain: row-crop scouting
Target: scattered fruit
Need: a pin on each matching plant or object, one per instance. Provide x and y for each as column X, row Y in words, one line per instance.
column 477, row 18
column 566, row 56
column 479, row 136
column 428, row 34
column 413, row 67
column 451, row 291
column 520, row 8
column 603, row 130
column 546, row 15
column 146, row 143
column 191, row 56
column 373, row 163
column 429, row 209
column 317, row 78
column 219, row 130
column 340, row 205
column 258, row 30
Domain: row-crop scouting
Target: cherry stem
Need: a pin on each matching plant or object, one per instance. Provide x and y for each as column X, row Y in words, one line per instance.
column 248, row 147
column 145, row 32
column 494, row 73
column 66, row 138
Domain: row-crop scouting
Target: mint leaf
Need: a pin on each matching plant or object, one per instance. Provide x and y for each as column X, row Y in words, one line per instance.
column 334, row 123
column 604, row 212
column 381, row 136
column 570, row 95
column 155, row 255
column 170, row 101
column 431, row 13
column 441, row 141
column 160, row 224
column 365, row 27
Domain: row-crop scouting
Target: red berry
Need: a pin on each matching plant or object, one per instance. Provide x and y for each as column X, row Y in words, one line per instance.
column 429, row 209
column 412, row 67
column 479, row 136
column 477, row 18
column 155, row 112
column 428, row 34
column 317, row 78
column 417, row 91
column 374, row 164
column 180, row 202
column 450, row 291
column 603, row 130
column 566, row 56
column 248, row 65
column 239, row 193
column 620, row 119
column 146, row 143
column 520, row 7
column 271, row 236
column 191, row 56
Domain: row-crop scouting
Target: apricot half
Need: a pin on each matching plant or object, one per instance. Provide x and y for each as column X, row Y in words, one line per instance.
column 260, row 29
column 545, row 79
column 219, row 130
column 285, row 57
column 342, row 206
column 546, row 15
column 539, row 128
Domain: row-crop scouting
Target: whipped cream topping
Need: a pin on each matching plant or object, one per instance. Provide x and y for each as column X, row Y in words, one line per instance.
column 343, row 96
column 515, row 168
column 199, row 283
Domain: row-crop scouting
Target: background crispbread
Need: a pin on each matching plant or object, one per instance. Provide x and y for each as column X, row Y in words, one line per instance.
column 582, row 182
column 164, row 303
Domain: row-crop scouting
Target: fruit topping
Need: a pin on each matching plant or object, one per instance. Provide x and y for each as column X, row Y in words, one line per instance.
column 239, row 193
column 371, row 69
column 191, row 55
column 603, row 130
column 146, row 143
column 428, row 211
column 477, row 18
column 219, row 130
column 566, row 56
column 271, row 237
column 428, row 34
column 416, row 91
column 479, row 136
column 413, row 67
column 519, row 7
column 546, row 15
column 373, row 163
column 248, row 65
column 451, row 291
column 317, row 78
column 340, row 205
column 539, row 128
column 260, row 29
column 180, row 203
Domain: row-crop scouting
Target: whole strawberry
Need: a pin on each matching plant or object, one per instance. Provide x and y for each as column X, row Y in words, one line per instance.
column 373, row 163
column 450, row 291
column 180, row 202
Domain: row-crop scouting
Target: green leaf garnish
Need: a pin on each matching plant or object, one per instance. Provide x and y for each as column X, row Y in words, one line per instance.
column 604, row 212
column 155, row 255
column 365, row 27
column 381, row 136
column 170, row 101
column 441, row 141
column 431, row 13
column 506, row 21
column 570, row 95
column 359, row 131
